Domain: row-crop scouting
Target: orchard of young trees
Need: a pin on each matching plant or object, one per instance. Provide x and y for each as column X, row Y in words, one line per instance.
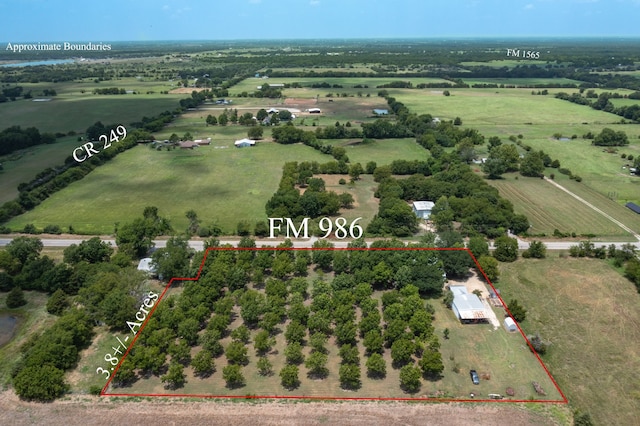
column 269, row 291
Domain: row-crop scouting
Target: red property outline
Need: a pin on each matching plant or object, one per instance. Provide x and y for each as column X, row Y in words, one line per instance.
column 329, row 398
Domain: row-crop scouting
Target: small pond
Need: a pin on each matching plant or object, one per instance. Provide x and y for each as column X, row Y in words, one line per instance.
column 8, row 324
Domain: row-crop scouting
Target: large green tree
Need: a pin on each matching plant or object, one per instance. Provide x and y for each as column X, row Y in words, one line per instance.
column 40, row 383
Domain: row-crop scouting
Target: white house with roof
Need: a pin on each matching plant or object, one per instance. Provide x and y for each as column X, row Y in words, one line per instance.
column 422, row 209
column 243, row 143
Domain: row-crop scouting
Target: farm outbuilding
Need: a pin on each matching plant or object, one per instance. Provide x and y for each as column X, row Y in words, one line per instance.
column 381, row 111
column 243, row 143
column 422, row 209
column 633, row 207
column 314, row 110
column 467, row 306
column 510, row 324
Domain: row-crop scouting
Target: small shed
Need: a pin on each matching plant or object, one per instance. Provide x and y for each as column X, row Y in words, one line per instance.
column 510, row 324
column 422, row 209
column 243, row 143
column 314, row 110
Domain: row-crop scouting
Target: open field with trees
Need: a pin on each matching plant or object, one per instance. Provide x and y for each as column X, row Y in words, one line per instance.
column 24, row 165
column 589, row 314
column 76, row 113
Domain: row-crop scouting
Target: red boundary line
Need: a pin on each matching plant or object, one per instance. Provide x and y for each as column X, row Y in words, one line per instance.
column 330, row 398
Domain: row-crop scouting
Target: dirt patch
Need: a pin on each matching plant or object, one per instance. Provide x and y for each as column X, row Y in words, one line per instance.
column 300, row 102
column 187, row 89
column 104, row 411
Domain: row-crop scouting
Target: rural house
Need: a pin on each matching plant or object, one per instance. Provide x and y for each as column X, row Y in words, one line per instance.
column 422, row 209
column 243, row 143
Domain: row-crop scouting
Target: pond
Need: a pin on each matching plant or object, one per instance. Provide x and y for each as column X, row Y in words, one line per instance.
column 8, row 324
column 36, row 63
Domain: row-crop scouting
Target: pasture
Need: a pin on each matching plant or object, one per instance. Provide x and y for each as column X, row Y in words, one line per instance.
column 510, row 112
column 591, row 316
column 549, row 208
column 23, row 166
column 75, row 107
column 223, row 184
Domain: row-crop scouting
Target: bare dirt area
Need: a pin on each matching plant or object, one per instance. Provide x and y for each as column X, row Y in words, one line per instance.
column 103, row 411
column 187, row 90
column 300, row 102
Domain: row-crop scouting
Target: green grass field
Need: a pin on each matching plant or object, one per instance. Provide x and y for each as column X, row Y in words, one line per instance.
column 221, row 183
column 507, row 112
column 382, row 151
column 24, row 165
column 549, row 208
column 591, row 316
column 75, row 107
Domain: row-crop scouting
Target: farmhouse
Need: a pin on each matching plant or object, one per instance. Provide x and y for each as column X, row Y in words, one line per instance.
column 188, row 144
column 277, row 85
column 272, row 111
column 467, row 306
column 243, row 143
column 422, row 209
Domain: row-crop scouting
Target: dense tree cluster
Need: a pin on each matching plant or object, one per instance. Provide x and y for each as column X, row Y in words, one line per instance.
column 603, row 103
column 15, row 137
column 316, row 200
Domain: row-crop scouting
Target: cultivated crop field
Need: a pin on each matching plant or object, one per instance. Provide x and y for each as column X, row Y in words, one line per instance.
column 591, row 316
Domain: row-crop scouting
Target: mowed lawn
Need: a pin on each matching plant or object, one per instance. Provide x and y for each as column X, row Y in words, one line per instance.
column 223, row 184
column 549, row 208
column 591, row 316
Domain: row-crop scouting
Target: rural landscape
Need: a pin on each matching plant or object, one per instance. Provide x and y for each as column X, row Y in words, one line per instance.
column 382, row 229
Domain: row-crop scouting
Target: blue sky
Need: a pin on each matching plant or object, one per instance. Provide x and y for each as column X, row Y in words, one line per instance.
column 141, row 20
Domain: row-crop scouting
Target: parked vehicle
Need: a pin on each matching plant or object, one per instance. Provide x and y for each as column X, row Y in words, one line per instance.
column 474, row 377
